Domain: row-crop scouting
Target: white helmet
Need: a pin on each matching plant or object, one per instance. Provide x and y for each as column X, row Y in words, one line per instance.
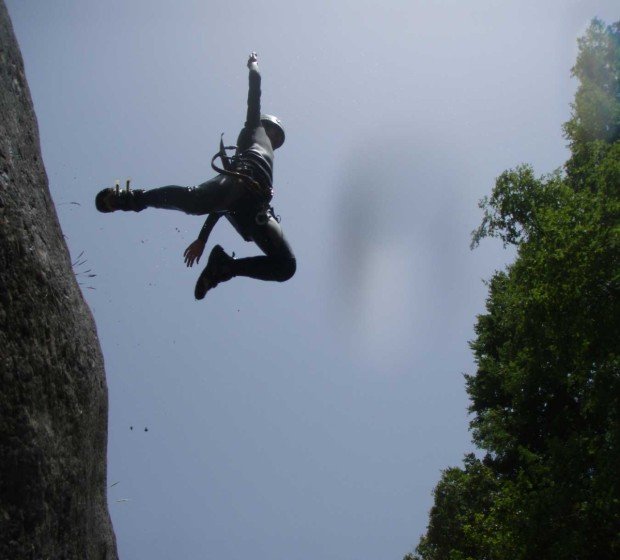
column 274, row 124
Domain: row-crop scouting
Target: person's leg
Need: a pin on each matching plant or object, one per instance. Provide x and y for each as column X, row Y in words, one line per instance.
column 279, row 262
column 277, row 265
column 172, row 197
column 216, row 195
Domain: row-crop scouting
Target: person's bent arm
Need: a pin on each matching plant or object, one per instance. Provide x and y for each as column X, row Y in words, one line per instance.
column 195, row 249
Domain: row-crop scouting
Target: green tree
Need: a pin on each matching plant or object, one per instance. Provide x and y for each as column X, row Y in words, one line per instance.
column 595, row 122
column 546, row 394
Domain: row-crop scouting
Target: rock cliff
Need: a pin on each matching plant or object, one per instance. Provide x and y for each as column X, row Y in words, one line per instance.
column 53, row 394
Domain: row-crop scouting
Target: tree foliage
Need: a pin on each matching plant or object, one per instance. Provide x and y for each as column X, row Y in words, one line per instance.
column 545, row 397
column 595, row 122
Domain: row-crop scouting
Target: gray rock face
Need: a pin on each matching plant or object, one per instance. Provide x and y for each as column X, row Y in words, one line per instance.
column 53, row 395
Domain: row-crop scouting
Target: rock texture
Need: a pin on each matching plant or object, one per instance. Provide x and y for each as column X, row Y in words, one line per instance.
column 53, row 396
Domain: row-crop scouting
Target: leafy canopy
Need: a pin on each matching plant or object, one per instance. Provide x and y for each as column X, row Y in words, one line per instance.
column 545, row 398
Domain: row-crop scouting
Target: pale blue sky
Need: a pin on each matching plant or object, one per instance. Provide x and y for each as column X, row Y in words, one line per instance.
column 309, row 419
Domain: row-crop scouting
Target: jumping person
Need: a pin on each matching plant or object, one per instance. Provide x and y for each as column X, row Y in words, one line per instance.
column 241, row 192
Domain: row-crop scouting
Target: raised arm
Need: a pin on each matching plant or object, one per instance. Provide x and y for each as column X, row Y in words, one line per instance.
column 253, row 117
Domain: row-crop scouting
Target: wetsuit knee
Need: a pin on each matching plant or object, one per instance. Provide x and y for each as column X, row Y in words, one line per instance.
column 285, row 269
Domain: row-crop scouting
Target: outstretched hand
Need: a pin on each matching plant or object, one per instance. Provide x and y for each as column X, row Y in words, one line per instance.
column 253, row 59
column 194, row 252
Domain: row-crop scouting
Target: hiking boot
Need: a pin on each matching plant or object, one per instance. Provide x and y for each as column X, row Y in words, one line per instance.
column 112, row 199
column 219, row 269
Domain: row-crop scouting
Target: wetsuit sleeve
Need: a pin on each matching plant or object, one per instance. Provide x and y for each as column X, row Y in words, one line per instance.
column 253, row 117
column 208, row 226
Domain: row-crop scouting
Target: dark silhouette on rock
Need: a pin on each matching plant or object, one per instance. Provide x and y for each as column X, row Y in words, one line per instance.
column 53, row 394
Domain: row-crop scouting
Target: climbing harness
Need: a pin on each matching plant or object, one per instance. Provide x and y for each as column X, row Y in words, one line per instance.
column 235, row 167
column 263, row 217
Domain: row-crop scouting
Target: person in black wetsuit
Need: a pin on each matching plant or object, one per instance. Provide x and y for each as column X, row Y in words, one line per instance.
column 241, row 193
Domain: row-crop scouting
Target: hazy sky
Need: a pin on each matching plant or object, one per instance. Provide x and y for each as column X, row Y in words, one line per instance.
column 309, row 419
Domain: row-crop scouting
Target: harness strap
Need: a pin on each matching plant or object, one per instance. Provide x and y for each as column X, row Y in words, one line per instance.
column 265, row 195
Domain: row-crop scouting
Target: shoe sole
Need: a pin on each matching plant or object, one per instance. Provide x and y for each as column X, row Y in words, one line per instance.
column 102, row 203
column 201, row 289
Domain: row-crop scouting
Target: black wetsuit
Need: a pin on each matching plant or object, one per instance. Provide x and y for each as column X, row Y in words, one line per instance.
column 229, row 196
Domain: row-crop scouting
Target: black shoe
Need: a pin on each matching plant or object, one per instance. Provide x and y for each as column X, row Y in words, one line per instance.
column 112, row 199
column 218, row 269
